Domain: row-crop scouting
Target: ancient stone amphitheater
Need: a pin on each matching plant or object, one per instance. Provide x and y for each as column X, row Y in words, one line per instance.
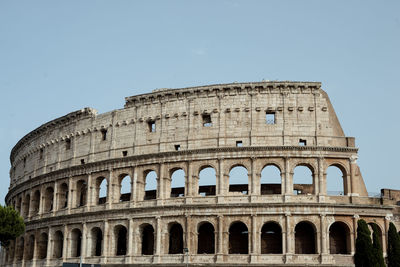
column 194, row 161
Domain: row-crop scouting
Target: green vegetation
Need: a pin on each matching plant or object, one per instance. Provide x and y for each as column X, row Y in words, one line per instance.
column 11, row 225
column 393, row 247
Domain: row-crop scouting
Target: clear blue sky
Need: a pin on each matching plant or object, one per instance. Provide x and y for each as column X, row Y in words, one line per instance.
column 61, row 56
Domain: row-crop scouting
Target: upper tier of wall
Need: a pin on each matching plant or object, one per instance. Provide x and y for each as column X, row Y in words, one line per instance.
column 237, row 112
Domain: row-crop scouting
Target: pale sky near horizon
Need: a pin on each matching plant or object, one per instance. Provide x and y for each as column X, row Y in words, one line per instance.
column 60, row 56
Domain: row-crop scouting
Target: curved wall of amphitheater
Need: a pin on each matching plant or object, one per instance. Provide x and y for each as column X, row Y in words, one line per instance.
column 58, row 168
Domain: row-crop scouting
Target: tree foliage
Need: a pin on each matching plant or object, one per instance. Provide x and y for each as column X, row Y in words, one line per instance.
column 393, row 247
column 364, row 251
column 11, row 225
column 377, row 248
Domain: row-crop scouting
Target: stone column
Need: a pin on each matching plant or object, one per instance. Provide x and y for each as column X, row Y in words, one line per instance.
column 134, row 190
column 321, row 179
column 91, row 189
column 324, row 239
column 66, row 242
column 255, row 245
column 50, row 242
column 289, row 237
column 158, row 251
column 131, row 247
column 84, row 242
column 220, row 239
column 220, row 183
column 284, row 234
column 254, row 181
column 160, row 184
column 70, row 196
column 356, row 217
column 55, row 198
column 106, row 240
column 111, row 185
column 353, row 169
column 288, row 176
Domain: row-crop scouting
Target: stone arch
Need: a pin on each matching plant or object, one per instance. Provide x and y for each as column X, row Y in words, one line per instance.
column 303, row 179
column 207, row 181
column 96, row 241
column 48, row 199
column 81, row 193
column 150, row 184
column 239, row 179
column 175, row 231
column 76, row 243
column 58, row 244
column 20, row 248
column 10, row 252
column 42, row 246
column 147, row 239
column 101, row 190
column 270, row 180
column 35, row 202
column 271, row 238
column 121, row 240
column 205, row 238
column 336, row 177
column 339, row 238
column 177, row 182
column 125, row 187
column 305, row 238
column 30, row 247
column 238, row 238
column 63, row 196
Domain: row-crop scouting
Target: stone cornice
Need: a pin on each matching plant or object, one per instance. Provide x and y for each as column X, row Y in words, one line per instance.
column 160, row 157
column 79, row 114
column 223, row 89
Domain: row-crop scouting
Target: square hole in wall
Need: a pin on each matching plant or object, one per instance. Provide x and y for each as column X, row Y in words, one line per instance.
column 67, row 144
column 82, row 161
column 239, row 143
column 207, row 120
column 177, row 147
column 152, row 126
column 302, row 142
column 124, row 153
column 270, row 117
column 103, row 134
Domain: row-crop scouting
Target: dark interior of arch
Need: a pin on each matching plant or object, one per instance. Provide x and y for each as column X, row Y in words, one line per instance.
column 20, row 249
column 206, row 239
column 121, row 240
column 175, row 239
column 31, row 247
column 148, row 240
column 304, row 238
column 238, row 239
column 48, row 206
column 271, row 239
column 36, row 202
column 42, row 246
column 98, row 238
column 58, row 245
column 63, row 196
column 76, row 243
column 82, row 188
column 338, row 238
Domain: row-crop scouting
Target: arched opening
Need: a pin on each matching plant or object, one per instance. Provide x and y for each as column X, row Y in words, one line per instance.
column 271, row 238
column 26, row 205
column 303, row 181
column 304, row 238
column 238, row 180
column 335, row 181
column 206, row 239
column 18, row 206
column 120, row 233
column 101, row 187
column 147, row 240
column 35, row 202
column 125, row 188
column 76, row 243
column 10, row 252
column 96, row 238
column 48, row 199
column 339, row 238
column 178, row 183
column 42, row 246
column 63, row 196
column 30, row 247
column 175, row 239
column 150, row 185
column 270, row 181
column 58, row 245
column 81, row 193
column 207, row 181
column 238, row 238
column 20, row 249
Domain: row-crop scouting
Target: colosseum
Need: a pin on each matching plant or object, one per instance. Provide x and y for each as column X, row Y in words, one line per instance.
column 178, row 178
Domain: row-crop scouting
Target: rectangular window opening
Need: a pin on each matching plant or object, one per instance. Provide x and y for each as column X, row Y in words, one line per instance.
column 302, row 142
column 82, row 161
column 270, row 117
column 104, row 134
column 207, row 120
column 152, row 126
column 239, row 143
column 177, row 147
column 68, row 144
column 124, row 153
column 24, row 162
column 41, row 154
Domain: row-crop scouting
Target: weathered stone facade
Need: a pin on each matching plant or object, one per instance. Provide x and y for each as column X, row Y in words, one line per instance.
column 58, row 168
